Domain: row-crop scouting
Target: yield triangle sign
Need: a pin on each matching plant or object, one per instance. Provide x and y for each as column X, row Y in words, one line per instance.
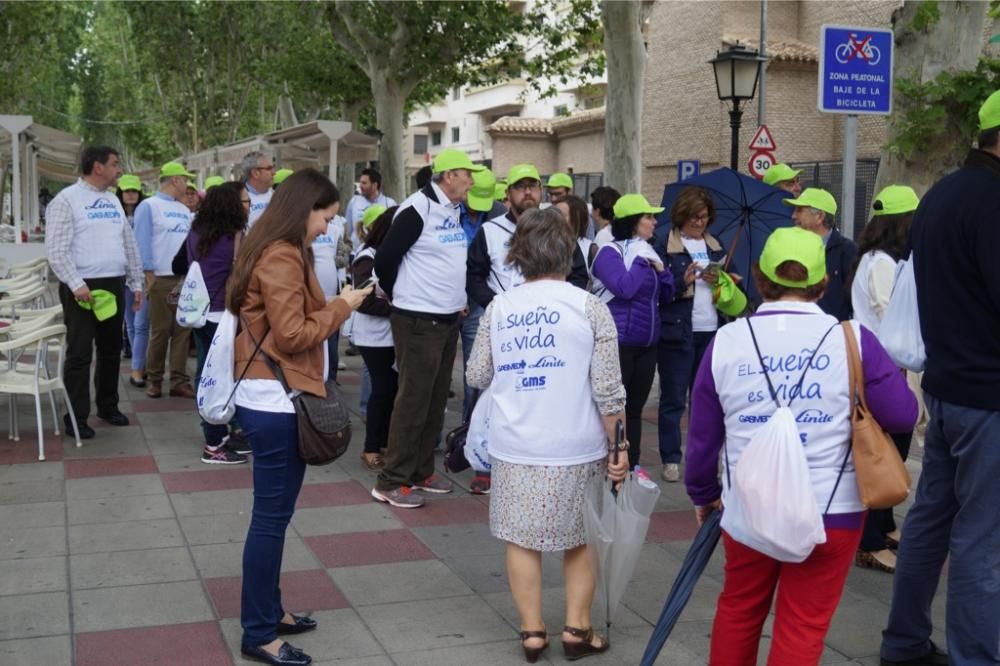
column 763, row 140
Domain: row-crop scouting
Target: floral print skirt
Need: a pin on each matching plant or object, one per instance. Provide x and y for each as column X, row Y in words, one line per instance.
column 541, row 507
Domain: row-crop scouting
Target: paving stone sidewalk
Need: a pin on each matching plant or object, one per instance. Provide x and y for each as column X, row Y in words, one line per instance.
column 127, row 551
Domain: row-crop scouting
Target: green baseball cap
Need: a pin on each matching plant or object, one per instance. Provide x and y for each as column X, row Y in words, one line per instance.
column 453, row 158
column 729, row 299
column 634, row 204
column 212, row 181
column 105, row 306
column 129, row 182
column 483, row 187
column 779, row 173
column 794, row 244
column 522, row 171
column 281, row 174
column 371, row 214
column 174, row 169
column 500, row 190
column 989, row 112
column 894, row 200
column 814, row 197
column 192, row 185
column 559, row 179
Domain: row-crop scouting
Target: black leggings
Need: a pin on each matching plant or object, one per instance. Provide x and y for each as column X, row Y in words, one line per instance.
column 385, row 381
column 638, row 368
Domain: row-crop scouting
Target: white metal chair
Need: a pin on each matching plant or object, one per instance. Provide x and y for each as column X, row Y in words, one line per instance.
column 36, row 379
column 28, row 299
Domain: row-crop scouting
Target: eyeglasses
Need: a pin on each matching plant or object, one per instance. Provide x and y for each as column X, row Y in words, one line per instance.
column 522, row 185
column 267, row 168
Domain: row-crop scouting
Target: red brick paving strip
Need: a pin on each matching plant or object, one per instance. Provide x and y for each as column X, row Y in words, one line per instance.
column 441, row 512
column 300, row 591
column 26, row 451
column 672, row 526
column 216, row 479
column 360, row 548
column 82, row 469
column 196, row 644
column 342, row 493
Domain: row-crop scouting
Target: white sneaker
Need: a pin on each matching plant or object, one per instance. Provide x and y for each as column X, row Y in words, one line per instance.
column 671, row 473
column 341, row 366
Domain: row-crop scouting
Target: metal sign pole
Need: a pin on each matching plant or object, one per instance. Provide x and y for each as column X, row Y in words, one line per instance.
column 762, row 85
column 850, row 166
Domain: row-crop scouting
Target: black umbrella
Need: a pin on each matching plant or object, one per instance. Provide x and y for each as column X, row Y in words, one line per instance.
column 680, row 593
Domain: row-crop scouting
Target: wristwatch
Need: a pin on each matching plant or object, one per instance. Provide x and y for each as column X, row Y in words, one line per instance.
column 621, row 446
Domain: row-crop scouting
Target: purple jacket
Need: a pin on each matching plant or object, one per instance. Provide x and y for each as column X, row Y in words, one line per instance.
column 215, row 266
column 638, row 294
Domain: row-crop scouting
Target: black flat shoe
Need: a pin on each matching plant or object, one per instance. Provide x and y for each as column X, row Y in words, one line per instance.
column 300, row 626
column 287, row 655
column 936, row 657
column 86, row 432
column 115, row 418
column 138, row 383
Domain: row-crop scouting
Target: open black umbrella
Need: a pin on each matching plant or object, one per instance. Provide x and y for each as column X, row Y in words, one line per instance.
column 746, row 212
column 680, row 593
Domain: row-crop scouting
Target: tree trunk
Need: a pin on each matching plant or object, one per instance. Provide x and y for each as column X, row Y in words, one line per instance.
column 389, row 101
column 345, row 172
column 626, row 54
column 953, row 43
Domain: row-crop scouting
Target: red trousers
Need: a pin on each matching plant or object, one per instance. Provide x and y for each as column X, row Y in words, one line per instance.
column 808, row 594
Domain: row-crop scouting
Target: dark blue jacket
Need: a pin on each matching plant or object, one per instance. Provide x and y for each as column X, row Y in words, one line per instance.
column 675, row 317
column 840, row 253
column 955, row 237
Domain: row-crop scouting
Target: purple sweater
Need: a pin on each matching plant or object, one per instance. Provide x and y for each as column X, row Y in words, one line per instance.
column 638, row 294
column 215, row 266
column 889, row 399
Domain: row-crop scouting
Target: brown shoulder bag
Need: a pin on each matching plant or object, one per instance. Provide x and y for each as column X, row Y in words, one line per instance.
column 883, row 481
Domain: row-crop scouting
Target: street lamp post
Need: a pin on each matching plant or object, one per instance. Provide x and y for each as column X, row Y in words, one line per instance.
column 737, row 71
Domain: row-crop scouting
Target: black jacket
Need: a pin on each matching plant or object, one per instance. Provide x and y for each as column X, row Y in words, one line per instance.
column 955, row 239
column 840, row 253
column 675, row 318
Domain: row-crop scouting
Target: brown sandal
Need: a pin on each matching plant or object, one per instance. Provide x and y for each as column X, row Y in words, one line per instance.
column 585, row 647
column 373, row 461
column 531, row 654
column 882, row 560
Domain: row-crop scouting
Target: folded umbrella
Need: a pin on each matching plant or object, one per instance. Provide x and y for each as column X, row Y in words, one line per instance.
column 680, row 593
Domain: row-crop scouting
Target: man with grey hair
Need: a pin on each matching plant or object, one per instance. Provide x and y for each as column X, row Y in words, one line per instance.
column 258, row 176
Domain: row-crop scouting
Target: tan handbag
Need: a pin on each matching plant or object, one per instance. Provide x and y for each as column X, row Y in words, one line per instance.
column 883, row 481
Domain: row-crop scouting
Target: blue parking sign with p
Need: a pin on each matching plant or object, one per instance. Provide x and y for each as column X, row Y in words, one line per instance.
column 688, row 169
column 855, row 70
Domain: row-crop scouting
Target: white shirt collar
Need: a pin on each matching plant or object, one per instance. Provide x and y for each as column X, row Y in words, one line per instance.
column 790, row 306
column 87, row 186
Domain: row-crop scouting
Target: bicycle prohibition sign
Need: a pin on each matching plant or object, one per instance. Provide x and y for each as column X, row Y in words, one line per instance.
column 852, row 48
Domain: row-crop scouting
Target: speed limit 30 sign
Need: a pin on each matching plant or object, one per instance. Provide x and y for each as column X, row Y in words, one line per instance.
column 760, row 161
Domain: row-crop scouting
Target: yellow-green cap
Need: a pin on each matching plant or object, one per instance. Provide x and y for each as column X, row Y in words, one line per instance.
column 522, row 171
column 129, row 182
column 483, row 187
column 281, row 174
column 729, row 299
column 559, row 179
column 989, row 112
column 192, row 186
column 894, row 200
column 105, row 306
column 500, row 190
column 212, row 181
column 634, row 204
column 794, row 244
column 174, row 169
column 779, row 173
column 371, row 214
column 453, row 158
column 814, row 197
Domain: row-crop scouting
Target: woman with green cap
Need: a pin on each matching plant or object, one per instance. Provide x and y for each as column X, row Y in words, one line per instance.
column 130, row 194
column 882, row 245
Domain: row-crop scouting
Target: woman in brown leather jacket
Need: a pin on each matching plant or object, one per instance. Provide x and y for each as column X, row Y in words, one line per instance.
column 275, row 293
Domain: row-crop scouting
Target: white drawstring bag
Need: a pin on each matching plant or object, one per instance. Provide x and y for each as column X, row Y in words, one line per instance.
column 194, row 300
column 770, row 506
column 216, row 384
column 899, row 331
column 476, row 451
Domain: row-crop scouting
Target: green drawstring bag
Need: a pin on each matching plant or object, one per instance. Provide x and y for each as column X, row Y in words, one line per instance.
column 105, row 305
column 729, row 299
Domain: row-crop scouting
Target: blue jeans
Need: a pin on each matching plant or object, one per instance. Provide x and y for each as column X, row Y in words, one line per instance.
column 277, row 478
column 677, row 363
column 954, row 514
column 214, row 434
column 467, row 329
column 140, row 335
column 129, row 317
column 366, row 391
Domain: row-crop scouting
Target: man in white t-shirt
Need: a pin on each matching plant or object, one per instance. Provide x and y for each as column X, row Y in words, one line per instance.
column 370, row 185
column 258, row 175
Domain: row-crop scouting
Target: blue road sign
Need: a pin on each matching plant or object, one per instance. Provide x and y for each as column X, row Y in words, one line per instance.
column 855, row 70
column 688, row 169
